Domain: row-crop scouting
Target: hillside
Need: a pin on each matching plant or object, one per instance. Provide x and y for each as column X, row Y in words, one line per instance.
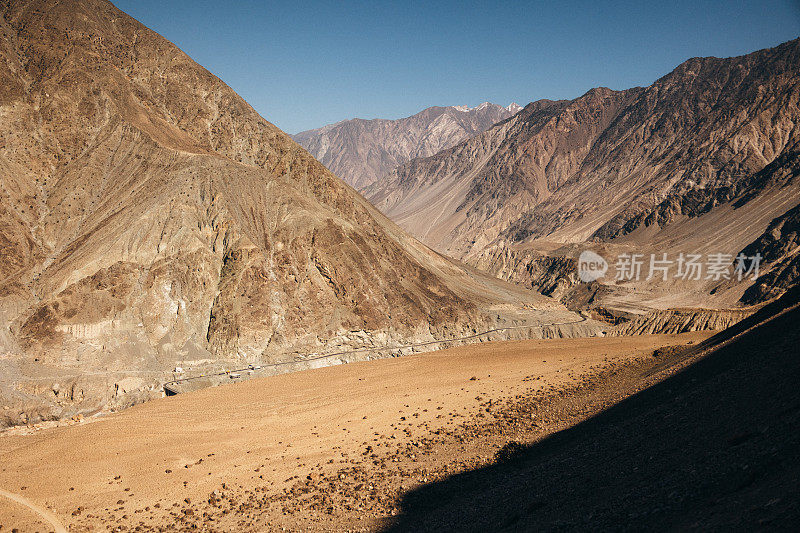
column 362, row 152
column 150, row 218
column 702, row 161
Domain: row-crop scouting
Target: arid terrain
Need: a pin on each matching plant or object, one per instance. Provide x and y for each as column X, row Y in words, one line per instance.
column 668, row 430
column 704, row 160
column 325, row 448
column 362, row 152
column 150, row 219
column 204, row 326
column 712, row 447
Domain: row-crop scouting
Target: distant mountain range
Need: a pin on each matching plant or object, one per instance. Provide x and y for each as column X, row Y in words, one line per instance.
column 362, row 151
column 702, row 160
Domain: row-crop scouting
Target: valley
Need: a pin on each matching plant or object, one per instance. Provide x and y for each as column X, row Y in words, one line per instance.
column 703, row 161
column 577, row 314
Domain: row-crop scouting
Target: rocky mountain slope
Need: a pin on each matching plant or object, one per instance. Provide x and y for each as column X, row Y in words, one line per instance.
column 150, row 218
column 363, row 151
column 699, row 162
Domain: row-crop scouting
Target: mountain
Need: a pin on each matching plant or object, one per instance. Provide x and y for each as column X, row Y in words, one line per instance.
column 702, row 161
column 363, row 151
column 150, row 218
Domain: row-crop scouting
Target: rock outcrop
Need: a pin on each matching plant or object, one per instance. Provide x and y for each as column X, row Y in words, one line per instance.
column 681, row 321
column 778, row 246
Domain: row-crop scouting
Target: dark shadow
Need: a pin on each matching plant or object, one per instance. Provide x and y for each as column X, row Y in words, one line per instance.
column 716, row 446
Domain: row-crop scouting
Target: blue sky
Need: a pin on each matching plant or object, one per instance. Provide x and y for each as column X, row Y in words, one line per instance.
column 306, row 64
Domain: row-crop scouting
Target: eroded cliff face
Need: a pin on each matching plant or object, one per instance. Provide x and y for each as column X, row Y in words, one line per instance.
column 549, row 274
column 681, row 321
column 362, row 152
column 698, row 162
column 150, row 218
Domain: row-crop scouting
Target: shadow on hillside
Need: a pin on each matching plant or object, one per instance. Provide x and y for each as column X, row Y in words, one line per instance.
column 714, row 446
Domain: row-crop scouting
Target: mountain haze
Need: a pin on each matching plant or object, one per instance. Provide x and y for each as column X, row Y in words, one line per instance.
column 364, row 151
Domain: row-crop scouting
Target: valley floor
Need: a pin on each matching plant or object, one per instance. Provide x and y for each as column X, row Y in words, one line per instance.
column 330, row 448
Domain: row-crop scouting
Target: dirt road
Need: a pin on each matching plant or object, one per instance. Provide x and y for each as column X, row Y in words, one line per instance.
column 43, row 514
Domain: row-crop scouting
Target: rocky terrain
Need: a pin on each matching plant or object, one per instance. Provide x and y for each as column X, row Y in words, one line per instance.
column 710, row 448
column 150, row 219
column 155, row 230
column 778, row 245
column 682, row 320
column 705, row 160
column 362, row 152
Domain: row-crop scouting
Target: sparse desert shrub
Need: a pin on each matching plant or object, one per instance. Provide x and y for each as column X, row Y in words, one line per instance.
column 511, row 450
column 667, row 351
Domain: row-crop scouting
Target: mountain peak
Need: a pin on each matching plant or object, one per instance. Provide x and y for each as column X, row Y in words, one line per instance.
column 467, row 109
column 149, row 216
column 348, row 147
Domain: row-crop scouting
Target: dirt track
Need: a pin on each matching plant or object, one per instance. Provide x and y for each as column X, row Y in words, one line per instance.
column 43, row 516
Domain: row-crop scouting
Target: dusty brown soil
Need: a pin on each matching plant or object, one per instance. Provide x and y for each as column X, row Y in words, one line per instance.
column 331, row 448
column 714, row 447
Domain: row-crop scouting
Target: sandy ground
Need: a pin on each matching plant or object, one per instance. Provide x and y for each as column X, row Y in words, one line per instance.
column 269, row 453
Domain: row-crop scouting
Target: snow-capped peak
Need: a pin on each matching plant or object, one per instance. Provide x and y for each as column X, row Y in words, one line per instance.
column 513, row 108
column 467, row 109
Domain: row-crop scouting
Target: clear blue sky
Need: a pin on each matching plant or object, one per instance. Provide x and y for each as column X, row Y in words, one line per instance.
column 303, row 64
